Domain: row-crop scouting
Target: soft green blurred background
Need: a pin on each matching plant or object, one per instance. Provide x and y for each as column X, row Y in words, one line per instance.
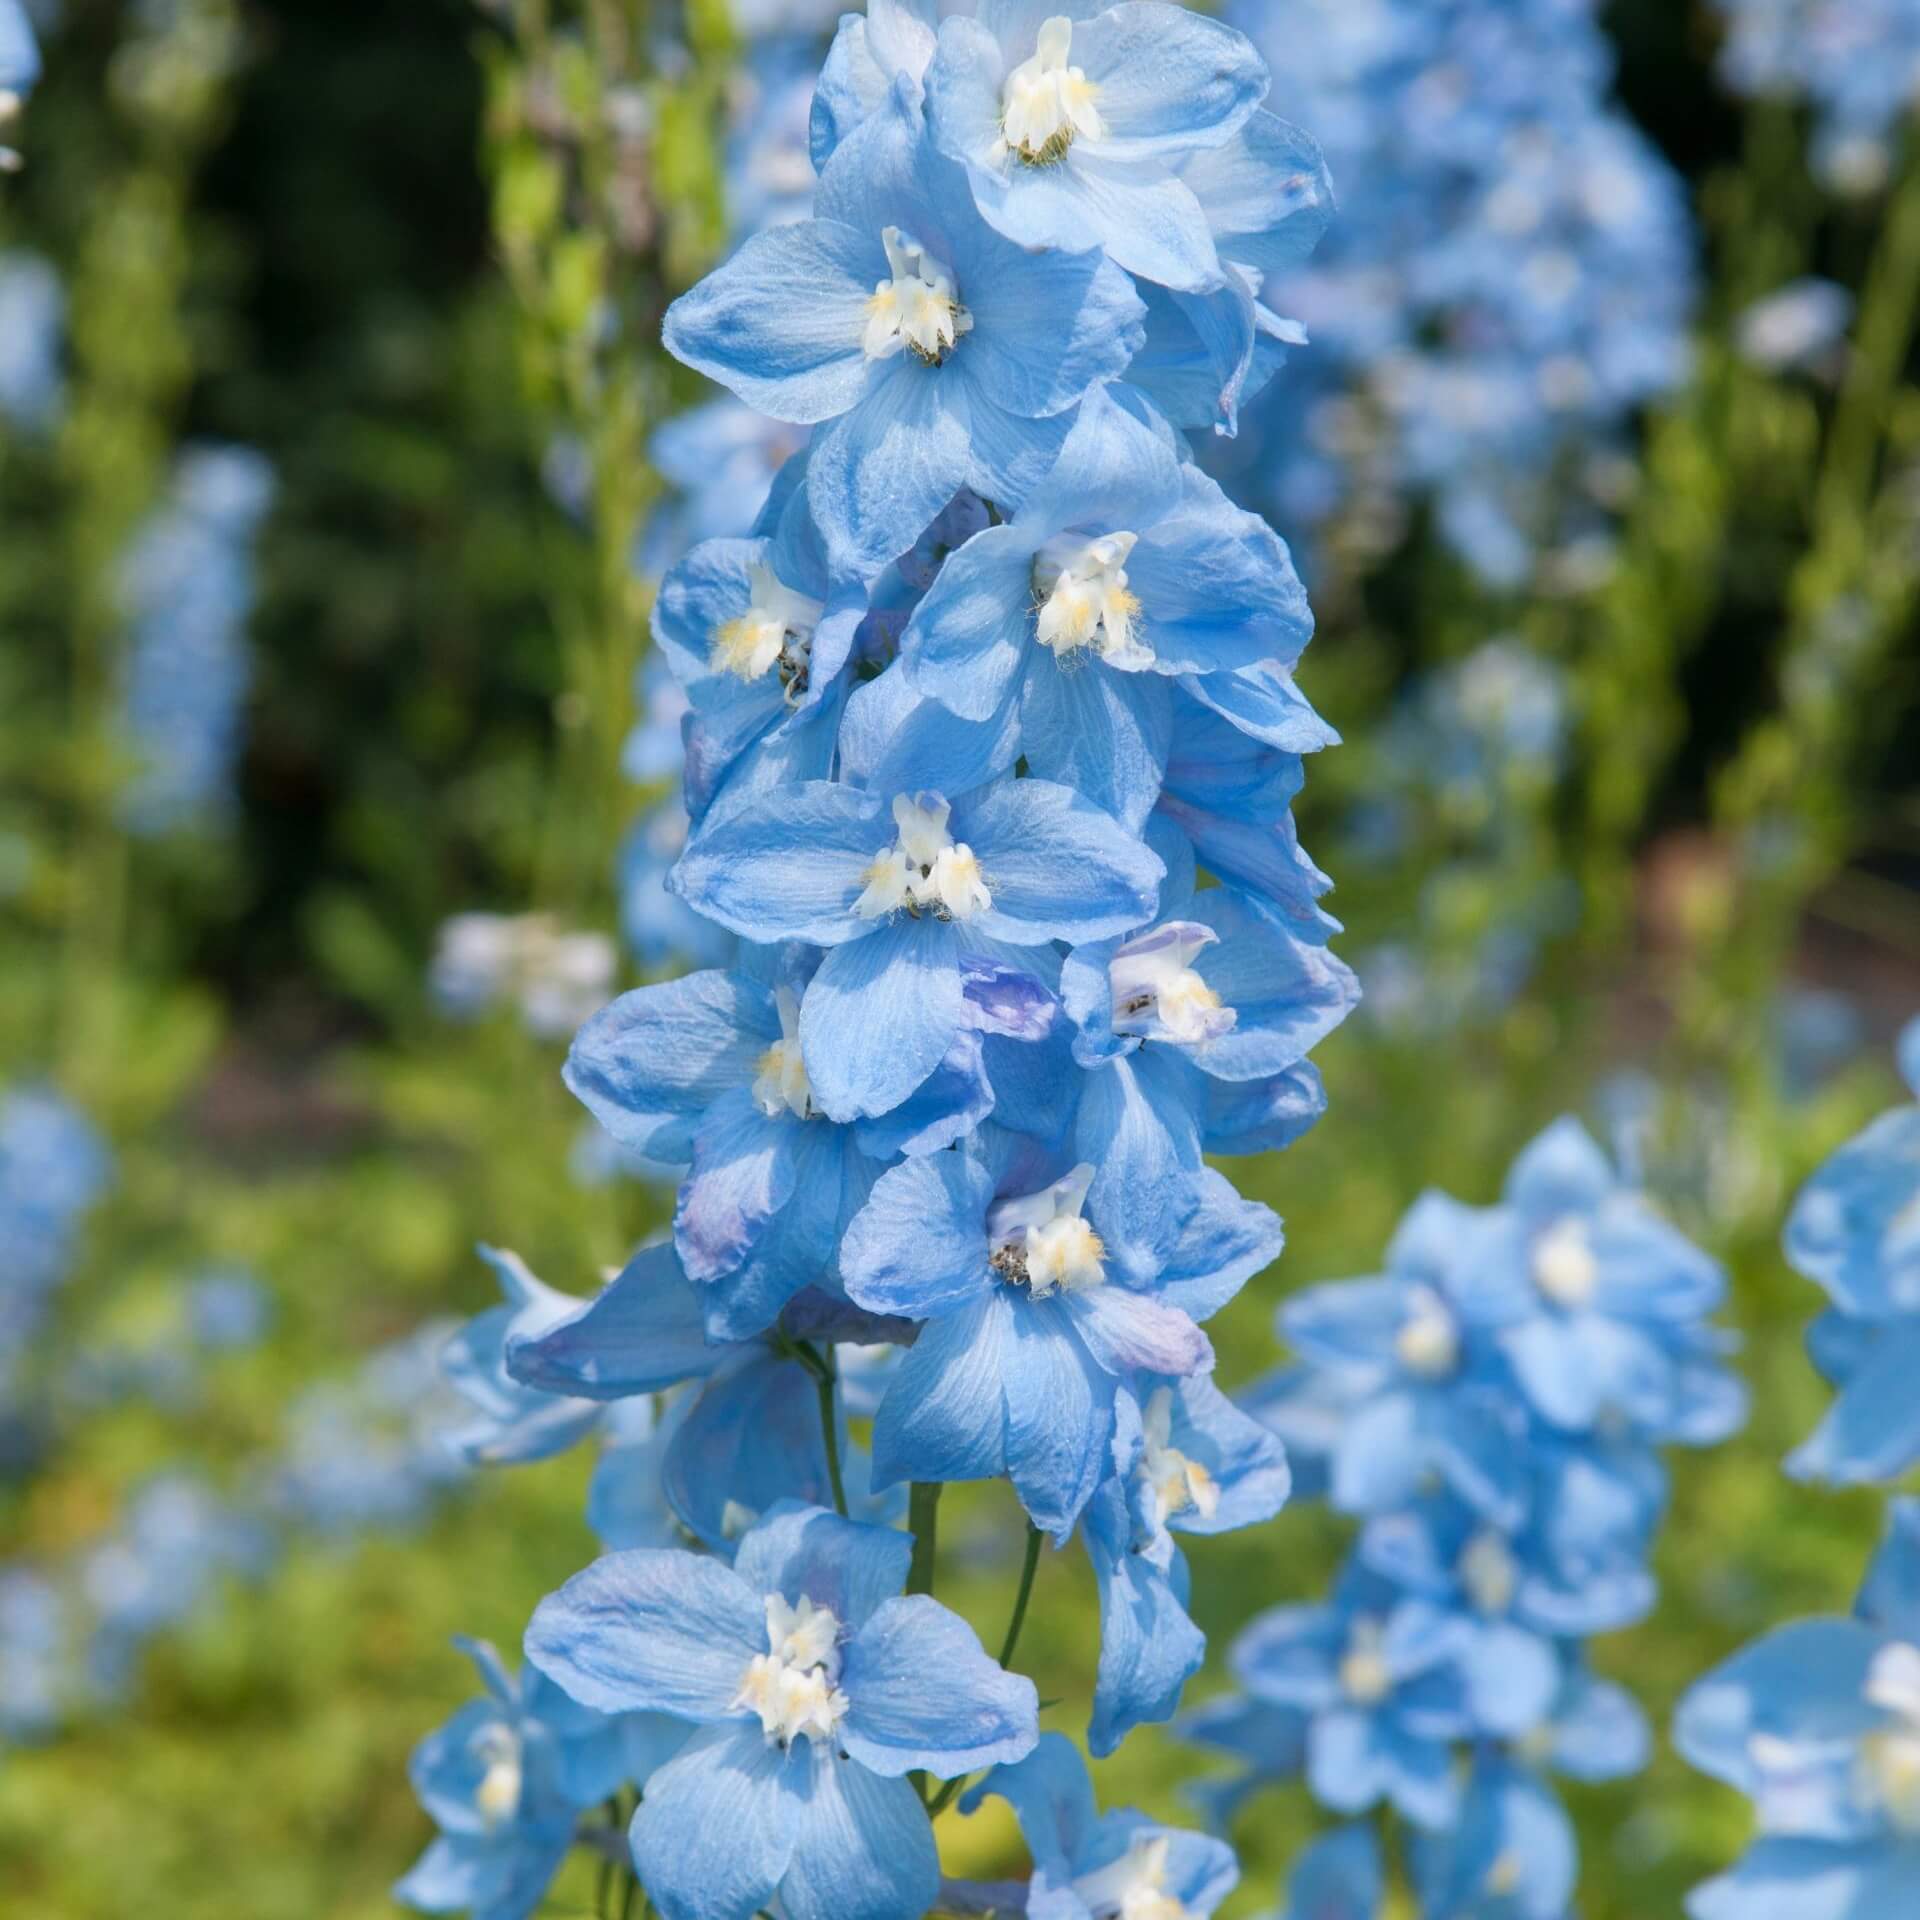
column 373, row 243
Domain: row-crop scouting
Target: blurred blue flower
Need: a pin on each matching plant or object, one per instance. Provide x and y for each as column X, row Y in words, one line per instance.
column 1856, row 61
column 187, row 589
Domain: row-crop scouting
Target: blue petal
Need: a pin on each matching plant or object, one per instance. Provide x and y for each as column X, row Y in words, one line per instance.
column 942, row 1418
column 1149, row 1648
column 1059, row 1415
column 864, row 1850
column 650, row 1065
column 646, row 1331
column 880, row 1015
column 879, row 474
column 749, row 1440
column 1338, row 1878
column 1052, row 1798
column 787, row 866
column 844, row 1565
column 781, row 322
column 967, row 640
column 1102, row 733
column 973, row 1715
column 720, row 1823
column 1058, row 867
column 661, row 1632
column 919, row 1246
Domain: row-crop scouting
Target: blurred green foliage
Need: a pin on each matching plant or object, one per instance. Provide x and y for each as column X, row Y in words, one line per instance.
column 405, row 251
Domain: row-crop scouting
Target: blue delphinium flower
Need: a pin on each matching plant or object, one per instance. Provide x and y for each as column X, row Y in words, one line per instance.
column 1072, row 126
column 1855, row 1232
column 1028, row 1341
column 897, row 319
column 1819, row 1724
column 187, row 587
column 1087, row 1864
column 1857, row 61
column 505, row 1780
column 814, row 1688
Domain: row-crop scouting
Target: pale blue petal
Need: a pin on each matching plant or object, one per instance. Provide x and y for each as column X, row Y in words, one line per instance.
column 780, row 323
column 919, row 1246
column 879, row 1016
column 720, row 1822
column 923, row 1694
column 863, row 1851
column 655, row 1631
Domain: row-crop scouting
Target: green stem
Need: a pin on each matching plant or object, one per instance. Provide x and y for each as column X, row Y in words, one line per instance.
column 1020, row 1599
column 824, row 1380
column 923, row 1521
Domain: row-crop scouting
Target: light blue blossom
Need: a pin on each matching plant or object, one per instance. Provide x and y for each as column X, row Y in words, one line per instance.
column 504, row 1780
column 1071, row 126
column 1087, row 1864
column 814, row 1691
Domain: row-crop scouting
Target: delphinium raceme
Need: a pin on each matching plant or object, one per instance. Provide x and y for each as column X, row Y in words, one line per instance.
column 1491, row 1407
column 1819, row 1721
column 1512, row 276
column 991, row 737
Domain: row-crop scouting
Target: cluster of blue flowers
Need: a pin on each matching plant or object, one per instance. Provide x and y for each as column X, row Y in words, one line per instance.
column 1512, row 275
column 187, row 590
column 1492, row 1407
column 1857, row 62
column 990, row 741
column 1819, row 1722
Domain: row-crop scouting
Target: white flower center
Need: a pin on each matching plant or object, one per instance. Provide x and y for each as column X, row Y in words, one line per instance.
column 1564, row 1268
column 915, row 310
column 1365, row 1677
column 1179, row 1484
column 792, row 1685
column 1489, row 1573
column 776, row 630
column 781, row 1085
column 1134, row 1887
column 1156, row 993
column 497, row 1798
column 1890, row 1758
column 1041, row 1243
column 1047, row 102
column 1084, row 599
column 1428, row 1343
column 925, row 871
